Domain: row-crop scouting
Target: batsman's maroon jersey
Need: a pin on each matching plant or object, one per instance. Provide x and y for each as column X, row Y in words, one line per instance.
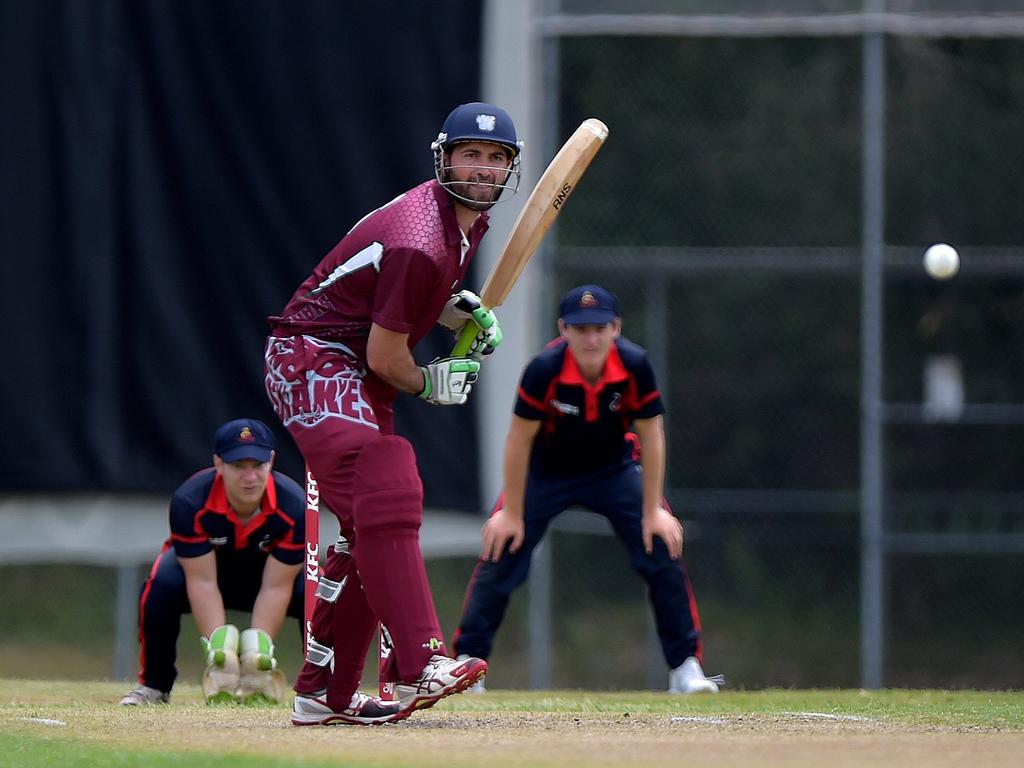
column 397, row 267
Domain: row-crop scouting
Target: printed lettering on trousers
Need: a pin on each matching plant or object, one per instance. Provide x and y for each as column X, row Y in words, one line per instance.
column 308, row 397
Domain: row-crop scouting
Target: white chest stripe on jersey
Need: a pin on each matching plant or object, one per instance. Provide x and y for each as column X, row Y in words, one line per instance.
column 370, row 256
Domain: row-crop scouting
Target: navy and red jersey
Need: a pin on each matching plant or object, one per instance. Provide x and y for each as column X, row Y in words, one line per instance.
column 202, row 520
column 586, row 428
column 397, row 267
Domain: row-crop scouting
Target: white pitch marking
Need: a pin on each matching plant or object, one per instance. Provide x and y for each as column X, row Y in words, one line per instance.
column 713, row 720
column 825, row 716
column 43, row 721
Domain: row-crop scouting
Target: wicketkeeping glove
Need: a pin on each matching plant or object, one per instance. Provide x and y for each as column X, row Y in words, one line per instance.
column 448, row 380
column 257, row 650
column 221, row 645
column 220, row 680
column 260, row 681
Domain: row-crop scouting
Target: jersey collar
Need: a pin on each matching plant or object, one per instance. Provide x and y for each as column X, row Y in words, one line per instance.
column 452, row 233
column 614, row 370
column 218, row 502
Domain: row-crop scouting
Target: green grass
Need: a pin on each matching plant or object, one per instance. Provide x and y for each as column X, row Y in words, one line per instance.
column 998, row 710
column 32, row 752
column 79, row 725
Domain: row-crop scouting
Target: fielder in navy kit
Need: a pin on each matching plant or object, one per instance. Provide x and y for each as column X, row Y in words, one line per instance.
column 570, row 444
column 237, row 542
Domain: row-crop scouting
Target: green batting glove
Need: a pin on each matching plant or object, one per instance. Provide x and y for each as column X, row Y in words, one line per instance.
column 448, row 381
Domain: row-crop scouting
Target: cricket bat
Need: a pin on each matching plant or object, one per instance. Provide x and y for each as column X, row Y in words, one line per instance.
column 542, row 206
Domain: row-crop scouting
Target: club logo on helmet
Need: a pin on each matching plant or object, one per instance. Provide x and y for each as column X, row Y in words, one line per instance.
column 486, row 122
column 246, row 435
column 588, row 300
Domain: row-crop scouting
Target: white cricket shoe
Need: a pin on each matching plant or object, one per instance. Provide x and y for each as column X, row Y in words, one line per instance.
column 312, row 709
column 441, row 677
column 143, row 694
column 478, row 686
column 688, row 677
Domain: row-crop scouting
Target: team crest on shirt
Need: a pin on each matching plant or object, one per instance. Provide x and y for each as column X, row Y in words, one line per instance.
column 486, row 122
column 218, row 541
column 566, row 408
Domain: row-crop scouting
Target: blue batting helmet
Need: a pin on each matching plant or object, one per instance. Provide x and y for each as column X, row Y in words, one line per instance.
column 477, row 121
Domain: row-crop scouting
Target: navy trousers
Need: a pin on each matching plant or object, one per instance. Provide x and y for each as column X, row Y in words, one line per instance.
column 615, row 493
column 164, row 599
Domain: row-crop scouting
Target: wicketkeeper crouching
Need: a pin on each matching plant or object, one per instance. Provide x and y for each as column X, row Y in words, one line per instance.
column 237, row 542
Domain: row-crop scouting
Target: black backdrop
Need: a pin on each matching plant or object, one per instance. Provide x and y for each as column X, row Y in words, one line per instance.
column 171, row 172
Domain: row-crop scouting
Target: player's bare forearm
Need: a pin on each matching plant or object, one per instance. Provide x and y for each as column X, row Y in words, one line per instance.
column 204, row 595
column 518, row 445
column 505, row 527
column 275, row 593
column 388, row 356
column 657, row 521
column 652, row 458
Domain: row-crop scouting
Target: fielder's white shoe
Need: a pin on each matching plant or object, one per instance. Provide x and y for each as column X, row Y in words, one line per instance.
column 688, row 677
column 441, row 677
column 143, row 694
column 478, row 686
column 312, row 709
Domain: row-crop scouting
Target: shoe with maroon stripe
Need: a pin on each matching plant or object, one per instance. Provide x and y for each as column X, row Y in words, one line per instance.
column 441, row 677
column 312, row 709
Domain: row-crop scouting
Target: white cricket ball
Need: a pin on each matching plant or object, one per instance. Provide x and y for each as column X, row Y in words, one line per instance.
column 941, row 261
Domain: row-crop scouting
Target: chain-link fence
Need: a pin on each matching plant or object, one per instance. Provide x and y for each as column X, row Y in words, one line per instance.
column 730, row 211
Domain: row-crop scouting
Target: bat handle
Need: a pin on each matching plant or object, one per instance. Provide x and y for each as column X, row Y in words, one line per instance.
column 466, row 336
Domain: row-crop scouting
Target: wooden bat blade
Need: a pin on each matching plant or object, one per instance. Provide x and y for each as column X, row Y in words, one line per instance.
column 546, row 201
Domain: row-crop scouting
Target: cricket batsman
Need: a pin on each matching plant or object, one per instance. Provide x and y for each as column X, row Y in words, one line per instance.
column 337, row 356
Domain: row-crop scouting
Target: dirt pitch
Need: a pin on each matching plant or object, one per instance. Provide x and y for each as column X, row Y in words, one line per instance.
column 477, row 733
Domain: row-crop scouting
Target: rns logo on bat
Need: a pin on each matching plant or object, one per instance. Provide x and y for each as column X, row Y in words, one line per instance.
column 563, row 193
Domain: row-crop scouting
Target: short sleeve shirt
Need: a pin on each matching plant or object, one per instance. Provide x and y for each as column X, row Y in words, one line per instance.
column 586, row 427
column 397, row 268
column 202, row 520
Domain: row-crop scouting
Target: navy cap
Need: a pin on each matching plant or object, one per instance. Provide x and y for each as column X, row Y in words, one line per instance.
column 243, row 439
column 588, row 305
